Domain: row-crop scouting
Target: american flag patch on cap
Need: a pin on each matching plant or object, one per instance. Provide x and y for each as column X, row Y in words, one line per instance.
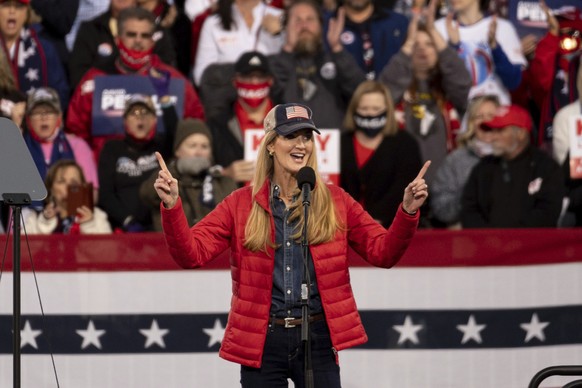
column 296, row 111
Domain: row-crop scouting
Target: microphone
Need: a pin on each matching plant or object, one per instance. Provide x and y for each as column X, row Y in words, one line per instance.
column 306, row 182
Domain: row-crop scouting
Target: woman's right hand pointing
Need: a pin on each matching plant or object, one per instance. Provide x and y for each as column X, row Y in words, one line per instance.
column 166, row 185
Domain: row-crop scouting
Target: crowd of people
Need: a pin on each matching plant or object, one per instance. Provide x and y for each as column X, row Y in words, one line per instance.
column 98, row 87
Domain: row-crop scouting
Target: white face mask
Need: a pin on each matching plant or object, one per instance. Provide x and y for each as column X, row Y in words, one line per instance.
column 192, row 166
column 481, row 148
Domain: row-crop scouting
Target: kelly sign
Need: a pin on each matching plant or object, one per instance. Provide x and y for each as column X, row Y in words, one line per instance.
column 327, row 147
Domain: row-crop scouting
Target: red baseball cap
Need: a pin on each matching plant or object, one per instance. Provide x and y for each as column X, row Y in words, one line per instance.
column 512, row 115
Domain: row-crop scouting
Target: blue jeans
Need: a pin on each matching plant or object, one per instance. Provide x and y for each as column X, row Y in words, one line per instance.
column 283, row 358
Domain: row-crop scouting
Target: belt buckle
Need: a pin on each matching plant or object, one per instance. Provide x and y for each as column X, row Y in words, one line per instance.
column 288, row 324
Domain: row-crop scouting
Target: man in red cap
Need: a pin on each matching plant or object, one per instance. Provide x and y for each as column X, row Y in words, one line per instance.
column 519, row 186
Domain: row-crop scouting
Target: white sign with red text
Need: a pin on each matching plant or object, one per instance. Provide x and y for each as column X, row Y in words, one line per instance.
column 327, row 146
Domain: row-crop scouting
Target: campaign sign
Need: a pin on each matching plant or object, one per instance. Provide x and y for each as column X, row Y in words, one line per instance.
column 575, row 135
column 528, row 17
column 327, row 147
column 111, row 92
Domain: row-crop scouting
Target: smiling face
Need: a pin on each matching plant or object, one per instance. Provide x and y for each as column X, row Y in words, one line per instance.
column 291, row 152
column 44, row 120
column 13, row 15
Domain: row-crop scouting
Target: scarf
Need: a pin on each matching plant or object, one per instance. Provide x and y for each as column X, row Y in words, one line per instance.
column 68, row 226
column 61, row 150
column 29, row 63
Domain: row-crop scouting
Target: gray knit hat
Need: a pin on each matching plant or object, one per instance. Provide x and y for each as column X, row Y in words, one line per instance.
column 189, row 127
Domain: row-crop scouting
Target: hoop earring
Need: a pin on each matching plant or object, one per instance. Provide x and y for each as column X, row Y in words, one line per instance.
column 271, row 153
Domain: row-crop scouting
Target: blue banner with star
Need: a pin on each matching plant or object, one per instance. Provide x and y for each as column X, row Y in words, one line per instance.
column 191, row 333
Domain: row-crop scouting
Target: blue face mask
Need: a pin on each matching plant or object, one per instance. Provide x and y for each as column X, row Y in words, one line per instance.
column 371, row 126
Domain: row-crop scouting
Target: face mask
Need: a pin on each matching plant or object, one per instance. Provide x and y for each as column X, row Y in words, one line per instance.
column 481, row 148
column 371, row 126
column 192, row 166
column 133, row 59
column 252, row 94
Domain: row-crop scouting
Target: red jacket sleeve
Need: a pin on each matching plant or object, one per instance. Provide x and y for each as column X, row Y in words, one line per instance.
column 542, row 67
column 79, row 112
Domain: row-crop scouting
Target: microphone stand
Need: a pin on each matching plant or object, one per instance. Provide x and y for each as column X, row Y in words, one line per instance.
column 305, row 285
column 16, row 201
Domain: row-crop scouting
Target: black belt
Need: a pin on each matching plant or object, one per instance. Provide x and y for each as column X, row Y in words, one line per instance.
column 292, row 322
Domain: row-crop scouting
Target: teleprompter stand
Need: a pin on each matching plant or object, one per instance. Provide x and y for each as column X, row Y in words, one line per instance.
column 20, row 184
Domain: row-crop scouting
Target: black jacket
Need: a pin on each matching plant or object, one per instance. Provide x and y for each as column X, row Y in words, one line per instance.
column 524, row 192
column 379, row 184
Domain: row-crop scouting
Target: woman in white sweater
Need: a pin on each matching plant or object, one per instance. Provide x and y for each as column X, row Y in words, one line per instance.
column 55, row 217
column 238, row 26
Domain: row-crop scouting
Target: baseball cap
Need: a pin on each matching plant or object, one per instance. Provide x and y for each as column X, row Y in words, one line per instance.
column 512, row 115
column 139, row 99
column 252, row 61
column 288, row 118
column 43, row 95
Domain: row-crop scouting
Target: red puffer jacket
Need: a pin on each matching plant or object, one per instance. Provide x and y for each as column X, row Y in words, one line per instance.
column 252, row 272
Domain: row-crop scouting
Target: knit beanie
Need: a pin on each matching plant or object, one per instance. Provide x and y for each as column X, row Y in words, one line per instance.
column 189, row 127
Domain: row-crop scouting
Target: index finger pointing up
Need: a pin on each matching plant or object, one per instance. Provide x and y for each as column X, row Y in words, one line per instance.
column 423, row 170
column 161, row 162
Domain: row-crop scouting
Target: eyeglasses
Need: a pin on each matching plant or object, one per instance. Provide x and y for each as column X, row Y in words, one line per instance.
column 42, row 114
column 140, row 113
column 143, row 35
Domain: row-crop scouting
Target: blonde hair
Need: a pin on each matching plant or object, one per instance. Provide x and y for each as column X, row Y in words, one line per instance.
column 323, row 221
column 368, row 87
column 464, row 137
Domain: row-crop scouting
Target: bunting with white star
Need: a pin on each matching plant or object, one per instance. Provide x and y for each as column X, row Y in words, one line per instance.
column 427, row 327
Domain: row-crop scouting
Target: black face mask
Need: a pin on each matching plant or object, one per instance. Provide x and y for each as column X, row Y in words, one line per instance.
column 371, row 126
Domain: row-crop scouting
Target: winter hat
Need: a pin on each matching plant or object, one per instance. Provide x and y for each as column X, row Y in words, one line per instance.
column 189, row 127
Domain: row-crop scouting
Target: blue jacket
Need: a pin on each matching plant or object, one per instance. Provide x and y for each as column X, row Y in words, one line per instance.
column 387, row 31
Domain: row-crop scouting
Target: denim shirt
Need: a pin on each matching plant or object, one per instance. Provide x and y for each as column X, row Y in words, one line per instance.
column 289, row 270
